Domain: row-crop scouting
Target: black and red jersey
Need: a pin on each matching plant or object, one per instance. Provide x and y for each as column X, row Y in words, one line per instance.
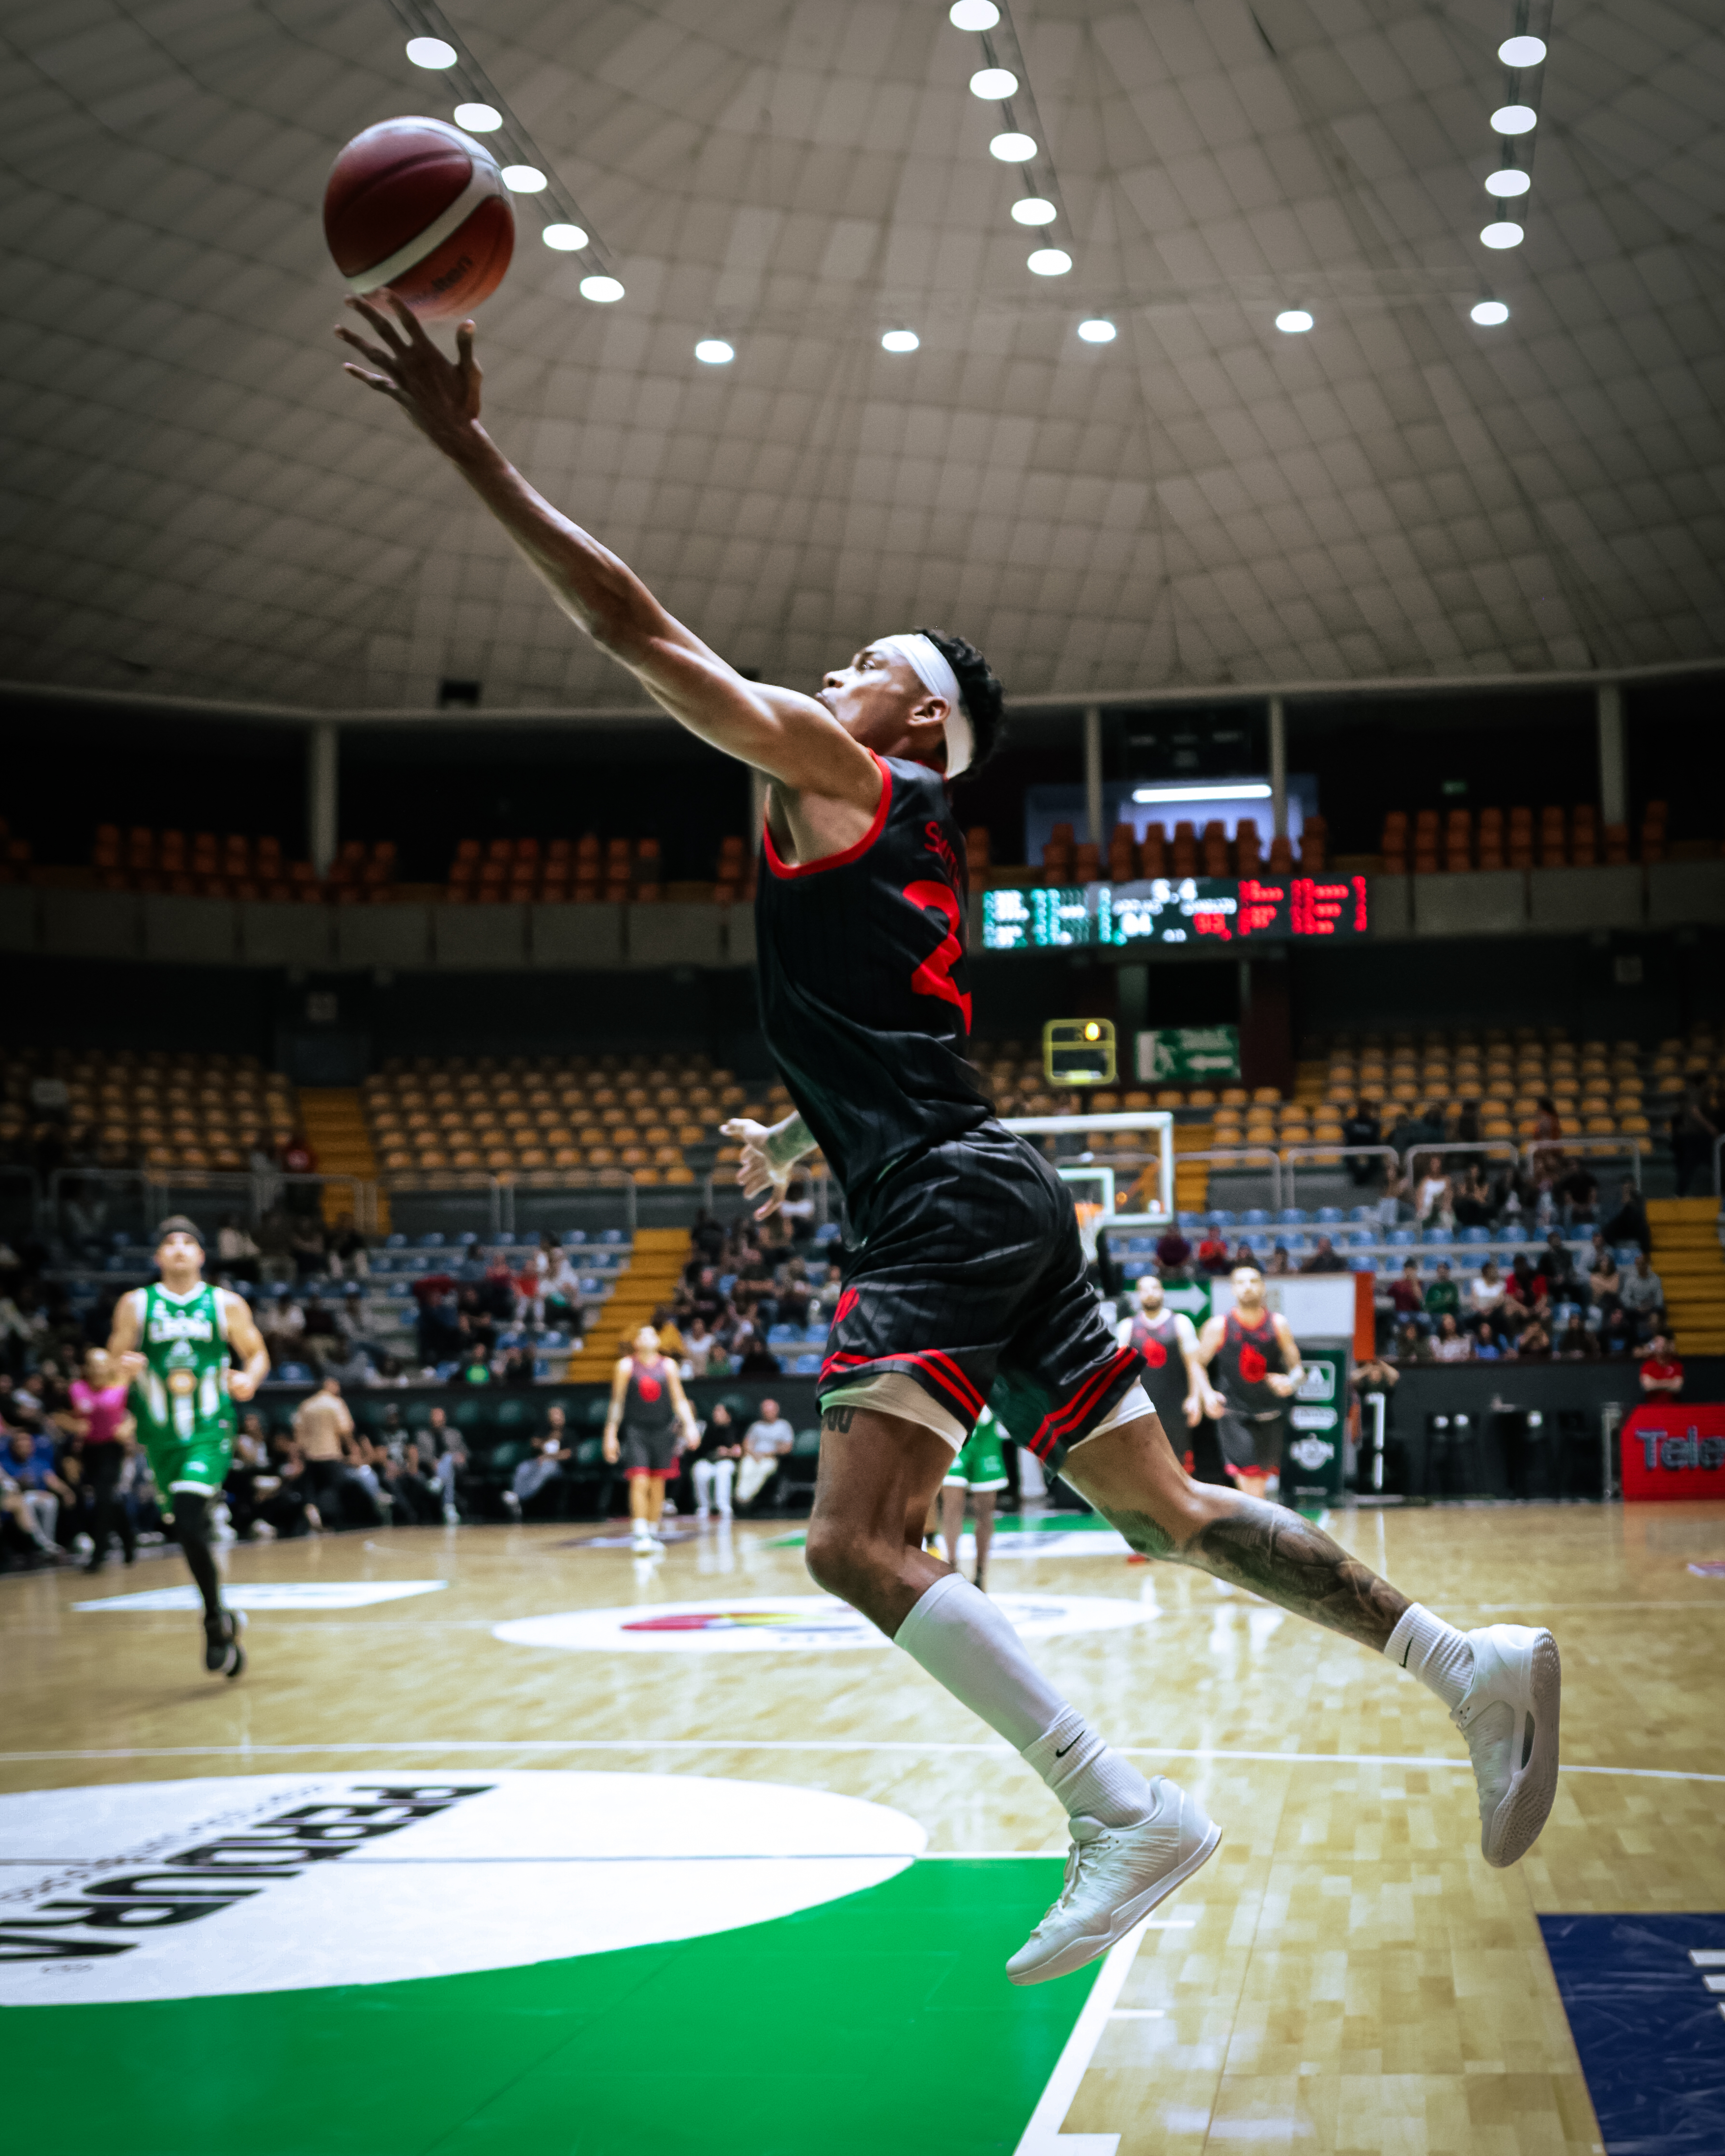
column 864, row 1000
column 1243, row 1363
column 648, row 1408
column 1163, row 1376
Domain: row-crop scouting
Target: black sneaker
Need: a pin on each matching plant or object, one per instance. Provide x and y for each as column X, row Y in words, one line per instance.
column 223, row 1653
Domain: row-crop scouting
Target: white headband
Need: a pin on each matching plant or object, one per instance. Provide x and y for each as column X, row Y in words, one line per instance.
column 932, row 668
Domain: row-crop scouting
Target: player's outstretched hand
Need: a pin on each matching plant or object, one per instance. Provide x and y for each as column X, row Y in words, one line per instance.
column 440, row 396
column 757, row 1172
column 241, row 1384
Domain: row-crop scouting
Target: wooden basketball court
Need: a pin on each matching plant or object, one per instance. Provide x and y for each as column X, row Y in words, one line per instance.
column 601, row 1882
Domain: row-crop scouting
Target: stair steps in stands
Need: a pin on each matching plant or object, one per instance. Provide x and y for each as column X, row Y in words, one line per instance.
column 334, row 1126
column 648, row 1281
column 1688, row 1259
column 1192, row 1182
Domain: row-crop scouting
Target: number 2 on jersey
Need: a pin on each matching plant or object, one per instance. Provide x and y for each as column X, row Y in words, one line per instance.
column 934, row 976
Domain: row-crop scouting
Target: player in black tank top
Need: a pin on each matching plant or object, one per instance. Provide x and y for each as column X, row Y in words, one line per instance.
column 966, row 1273
column 1253, row 1357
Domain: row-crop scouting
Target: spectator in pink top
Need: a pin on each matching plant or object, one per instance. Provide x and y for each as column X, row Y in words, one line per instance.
column 105, row 1424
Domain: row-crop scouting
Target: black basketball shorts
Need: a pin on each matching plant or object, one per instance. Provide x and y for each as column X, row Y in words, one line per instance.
column 650, row 1451
column 967, row 1276
column 1252, row 1445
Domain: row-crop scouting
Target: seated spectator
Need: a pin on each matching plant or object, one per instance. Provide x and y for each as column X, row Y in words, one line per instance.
column 1412, row 1345
column 1486, row 1348
column 758, row 1359
column 1395, row 1205
column 1406, row 1295
column 1693, row 1135
column 1376, row 1374
column 1443, row 1298
column 796, row 1211
column 282, row 1322
column 408, row 1476
column 1280, row 1264
column 1642, row 1294
column 1661, row 1371
column 540, row 1480
column 344, row 1251
column 348, row 1361
column 1325, row 1259
column 1214, row 1256
column 560, row 1294
column 367, row 1463
column 1524, row 1294
column 1431, row 1196
column 1629, row 1224
column 323, row 1337
column 1533, row 1342
column 1557, row 1264
column 518, row 1367
column 1578, row 1195
column 1363, row 1128
column 442, row 1457
column 698, row 1346
column 1604, row 1283
column 1449, row 1343
column 1617, row 1331
column 234, row 1248
column 1474, row 1204
column 1173, row 1254
column 306, row 1247
column 765, row 1443
column 1576, row 1344
column 1485, row 1295
column 712, row 1467
column 474, row 1369
column 32, row 1465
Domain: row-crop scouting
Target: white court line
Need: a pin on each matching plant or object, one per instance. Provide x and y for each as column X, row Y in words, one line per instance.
column 1042, row 2136
column 789, row 1744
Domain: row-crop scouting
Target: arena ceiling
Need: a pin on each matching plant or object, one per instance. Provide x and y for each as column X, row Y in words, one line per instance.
column 201, row 503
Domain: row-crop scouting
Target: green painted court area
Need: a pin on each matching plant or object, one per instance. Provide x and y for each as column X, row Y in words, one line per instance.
column 881, row 2022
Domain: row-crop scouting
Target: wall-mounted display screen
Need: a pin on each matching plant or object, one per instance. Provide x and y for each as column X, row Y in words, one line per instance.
column 1191, row 910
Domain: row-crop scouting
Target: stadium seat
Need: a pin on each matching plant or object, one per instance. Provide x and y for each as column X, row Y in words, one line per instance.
column 1327, row 1214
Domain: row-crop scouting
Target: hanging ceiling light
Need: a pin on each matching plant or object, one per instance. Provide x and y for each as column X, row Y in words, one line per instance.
column 901, row 340
column 1522, row 52
column 1050, row 262
column 995, row 83
column 567, row 238
column 524, row 179
column 1508, row 180
column 1514, row 119
column 1013, row 149
column 604, row 290
column 1504, row 235
column 1489, row 313
column 1033, row 210
column 714, row 352
column 1097, row 331
column 431, row 52
column 973, row 14
column 1294, row 322
column 478, row 119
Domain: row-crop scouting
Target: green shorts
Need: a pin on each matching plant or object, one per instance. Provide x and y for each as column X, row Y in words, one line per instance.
column 199, row 1462
column 978, row 1465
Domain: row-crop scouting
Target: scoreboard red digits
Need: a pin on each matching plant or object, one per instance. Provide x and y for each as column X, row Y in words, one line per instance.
column 1178, row 910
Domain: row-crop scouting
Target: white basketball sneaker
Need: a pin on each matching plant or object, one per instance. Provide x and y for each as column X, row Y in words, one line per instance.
column 1509, row 1717
column 1115, row 1876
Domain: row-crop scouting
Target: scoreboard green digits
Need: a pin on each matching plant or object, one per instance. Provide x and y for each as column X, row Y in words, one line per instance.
column 1189, row 909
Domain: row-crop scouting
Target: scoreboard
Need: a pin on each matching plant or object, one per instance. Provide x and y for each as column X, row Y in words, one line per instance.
column 1189, row 909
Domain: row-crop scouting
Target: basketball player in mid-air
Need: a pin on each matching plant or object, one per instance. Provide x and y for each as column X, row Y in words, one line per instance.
column 189, row 1351
column 964, row 1262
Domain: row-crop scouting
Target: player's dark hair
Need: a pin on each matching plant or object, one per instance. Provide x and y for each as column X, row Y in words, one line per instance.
column 984, row 699
column 1248, row 1265
column 178, row 1223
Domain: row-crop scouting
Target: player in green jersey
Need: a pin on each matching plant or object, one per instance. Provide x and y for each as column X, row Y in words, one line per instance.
column 979, row 1469
column 190, row 1351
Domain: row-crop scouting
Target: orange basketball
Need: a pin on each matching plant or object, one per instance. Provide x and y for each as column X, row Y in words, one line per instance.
column 417, row 207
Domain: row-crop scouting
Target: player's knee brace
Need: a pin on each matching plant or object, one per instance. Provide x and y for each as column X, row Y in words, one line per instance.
column 190, row 1521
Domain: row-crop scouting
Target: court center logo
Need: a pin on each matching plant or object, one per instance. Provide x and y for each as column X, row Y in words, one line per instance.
column 788, row 1623
column 281, row 1882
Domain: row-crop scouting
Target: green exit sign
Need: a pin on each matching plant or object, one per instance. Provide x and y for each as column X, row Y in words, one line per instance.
column 1189, row 1054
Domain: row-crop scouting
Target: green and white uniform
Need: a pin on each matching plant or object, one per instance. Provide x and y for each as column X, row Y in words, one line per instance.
column 978, row 1465
column 185, row 1416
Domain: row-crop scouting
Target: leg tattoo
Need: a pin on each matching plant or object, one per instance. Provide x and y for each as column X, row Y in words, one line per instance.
column 1288, row 1560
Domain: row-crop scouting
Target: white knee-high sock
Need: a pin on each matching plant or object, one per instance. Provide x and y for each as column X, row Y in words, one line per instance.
column 959, row 1637
column 1434, row 1652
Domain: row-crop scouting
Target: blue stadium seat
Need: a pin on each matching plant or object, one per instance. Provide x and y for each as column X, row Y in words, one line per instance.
column 1358, row 1238
column 613, row 1235
column 397, row 1241
column 1363, row 1213
column 781, row 1336
column 1292, row 1216
column 294, row 1373
column 504, row 1239
column 574, row 1238
column 827, row 1232
column 1476, row 1234
column 1626, row 1254
column 118, row 1263
column 432, row 1239
column 1255, row 1216
column 1401, row 1237
column 1328, row 1215
column 1509, row 1233
column 1436, row 1235
column 806, row 1366
column 552, row 1340
column 1220, row 1219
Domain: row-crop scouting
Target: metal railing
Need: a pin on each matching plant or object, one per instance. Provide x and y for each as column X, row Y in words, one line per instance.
column 1157, row 1122
column 1340, row 1154
column 1242, row 1157
column 1602, row 1148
